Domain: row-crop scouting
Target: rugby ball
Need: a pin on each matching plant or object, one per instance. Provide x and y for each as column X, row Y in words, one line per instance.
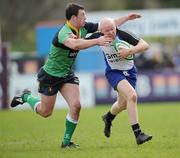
column 123, row 44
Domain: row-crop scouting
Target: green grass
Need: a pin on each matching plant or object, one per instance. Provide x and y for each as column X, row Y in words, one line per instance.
column 23, row 134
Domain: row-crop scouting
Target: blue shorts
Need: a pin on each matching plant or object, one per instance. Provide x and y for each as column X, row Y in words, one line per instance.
column 115, row 76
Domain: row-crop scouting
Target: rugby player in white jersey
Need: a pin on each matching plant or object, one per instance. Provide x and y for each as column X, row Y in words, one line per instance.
column 121, row 74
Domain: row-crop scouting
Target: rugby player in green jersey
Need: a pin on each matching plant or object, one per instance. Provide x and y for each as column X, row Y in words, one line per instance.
column 57, row 74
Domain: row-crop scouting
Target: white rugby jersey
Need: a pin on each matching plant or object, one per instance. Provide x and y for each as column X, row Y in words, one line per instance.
column 111, row 55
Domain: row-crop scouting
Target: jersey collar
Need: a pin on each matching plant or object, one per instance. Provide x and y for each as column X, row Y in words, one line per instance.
column 72, row 27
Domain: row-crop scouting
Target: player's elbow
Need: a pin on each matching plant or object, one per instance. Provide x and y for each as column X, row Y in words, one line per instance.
column 74, row 47
column 144, row 45
column 72, row 44
column 77, row 47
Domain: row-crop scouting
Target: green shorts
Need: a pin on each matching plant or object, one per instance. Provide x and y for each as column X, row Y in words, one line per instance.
column 50, row 85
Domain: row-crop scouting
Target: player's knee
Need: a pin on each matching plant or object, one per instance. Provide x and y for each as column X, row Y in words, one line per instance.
column 133, row 97
column 46, row 113
column 76, row 106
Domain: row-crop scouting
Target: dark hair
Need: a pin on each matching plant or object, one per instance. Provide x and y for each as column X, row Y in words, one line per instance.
column 72, row 9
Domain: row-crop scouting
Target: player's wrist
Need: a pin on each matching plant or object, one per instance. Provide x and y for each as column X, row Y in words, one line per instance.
column 131, row 51
column 127, row 17
column 96, row 41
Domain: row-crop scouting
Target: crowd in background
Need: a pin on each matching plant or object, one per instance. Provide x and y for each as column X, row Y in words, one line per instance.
column 158, row 58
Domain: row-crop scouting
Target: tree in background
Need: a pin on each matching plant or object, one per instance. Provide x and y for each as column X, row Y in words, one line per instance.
column 18, row 18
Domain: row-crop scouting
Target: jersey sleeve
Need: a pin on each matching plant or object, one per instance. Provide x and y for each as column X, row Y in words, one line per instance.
column 91, row 27
column 63, row 35
column 94, row 35
column 128, row 37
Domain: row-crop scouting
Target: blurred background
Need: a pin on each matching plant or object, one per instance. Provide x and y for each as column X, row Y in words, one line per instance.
column 27, row 28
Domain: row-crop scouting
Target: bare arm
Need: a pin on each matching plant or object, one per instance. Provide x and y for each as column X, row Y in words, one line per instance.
column 78, row 44
column 122, row 20
column 140, row 47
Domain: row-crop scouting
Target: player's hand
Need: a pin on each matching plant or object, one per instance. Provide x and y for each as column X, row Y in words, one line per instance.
column 133, row 16
column 104, row 41
column 124, row 53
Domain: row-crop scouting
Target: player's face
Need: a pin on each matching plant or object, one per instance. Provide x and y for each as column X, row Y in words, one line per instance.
column 81, row 18
column 109, row 30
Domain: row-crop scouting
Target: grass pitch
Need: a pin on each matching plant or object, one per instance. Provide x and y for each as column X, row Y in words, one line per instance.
column 24, row 134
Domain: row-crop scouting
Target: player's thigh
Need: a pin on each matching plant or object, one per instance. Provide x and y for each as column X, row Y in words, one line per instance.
column 48, row 102
column 71, row 94
column 125, row 89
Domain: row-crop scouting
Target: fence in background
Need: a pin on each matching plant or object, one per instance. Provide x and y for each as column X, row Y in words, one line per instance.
column 151, row 87
column 4, row 95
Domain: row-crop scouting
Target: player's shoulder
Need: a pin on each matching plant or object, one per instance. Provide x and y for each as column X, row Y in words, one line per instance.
column 64, row 29
column 122, row 31
column 98, row 34
column 91, row 24
column 126, row 34
column 94, row 35
column 91, row 27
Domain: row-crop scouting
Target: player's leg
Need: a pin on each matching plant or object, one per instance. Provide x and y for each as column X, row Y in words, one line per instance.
column 116, row 108
column 71, row 94
column 46, row 106
column 48, row 90
column 125, row 88
column 114, row 77
column 119, row 105
column 43, row 106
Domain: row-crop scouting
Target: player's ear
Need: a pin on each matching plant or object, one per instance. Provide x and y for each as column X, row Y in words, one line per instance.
column 73, row 17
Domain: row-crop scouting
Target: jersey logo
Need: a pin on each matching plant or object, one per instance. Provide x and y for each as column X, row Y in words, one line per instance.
column 73, row 54
column 126, row 73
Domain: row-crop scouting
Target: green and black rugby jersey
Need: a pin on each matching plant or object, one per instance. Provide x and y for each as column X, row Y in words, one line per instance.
column 61, row 58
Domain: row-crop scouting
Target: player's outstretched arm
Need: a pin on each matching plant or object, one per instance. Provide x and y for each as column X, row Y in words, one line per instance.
column 78, row 44
column 130, row 16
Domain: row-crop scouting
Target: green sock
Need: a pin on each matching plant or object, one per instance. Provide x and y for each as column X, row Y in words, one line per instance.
column 70, row 127
column 31, row 100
